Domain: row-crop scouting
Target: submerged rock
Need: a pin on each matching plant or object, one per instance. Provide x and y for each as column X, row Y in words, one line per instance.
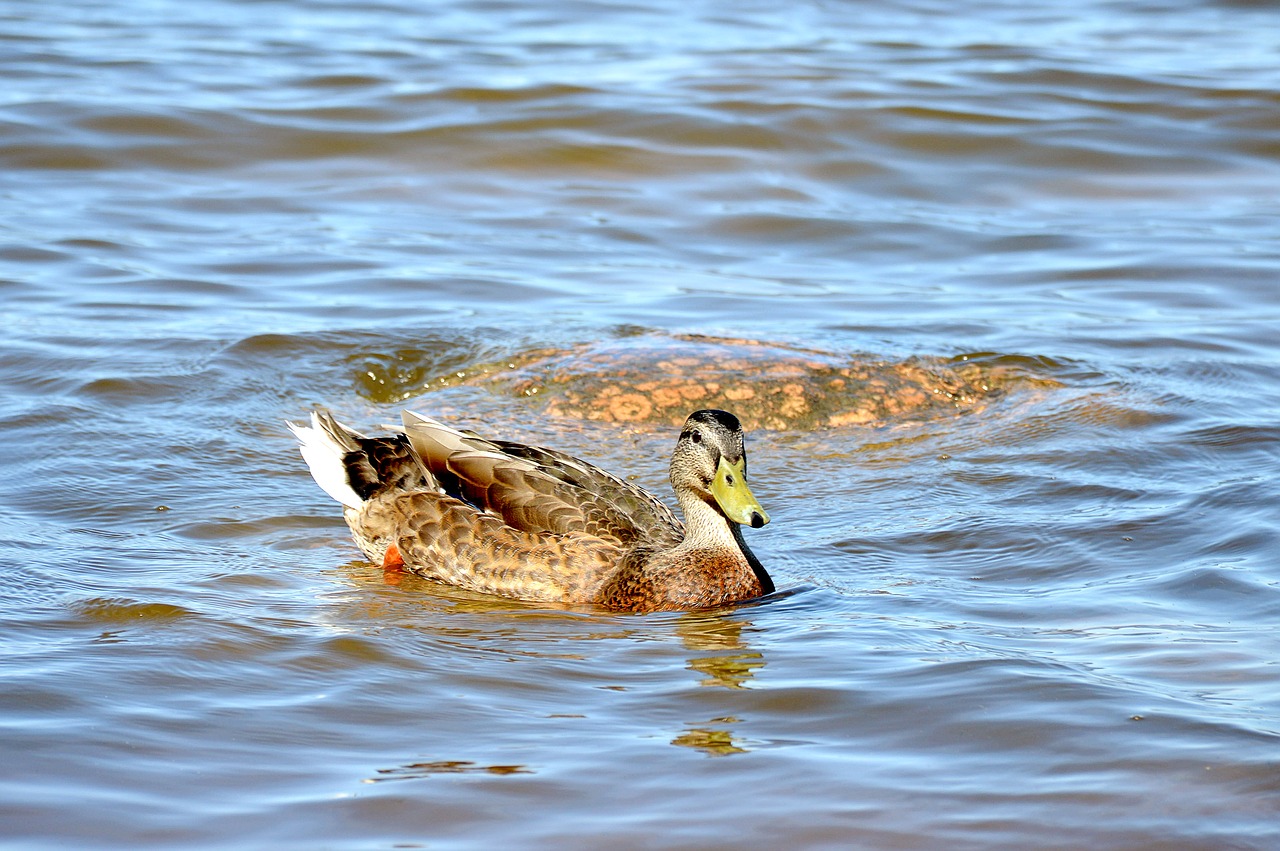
column 658, row 379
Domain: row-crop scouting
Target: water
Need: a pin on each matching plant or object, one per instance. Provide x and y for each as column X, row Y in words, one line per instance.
column 1045, row 623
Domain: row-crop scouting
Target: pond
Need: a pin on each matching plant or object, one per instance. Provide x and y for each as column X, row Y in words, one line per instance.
column 1027, row 580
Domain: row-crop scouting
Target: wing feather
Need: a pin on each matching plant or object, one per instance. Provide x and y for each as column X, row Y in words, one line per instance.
column 539, row 490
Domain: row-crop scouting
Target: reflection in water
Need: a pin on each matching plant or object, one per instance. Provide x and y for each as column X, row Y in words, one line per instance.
column 713, row 642
column 728, row 671
column 702, row 632
column 711, row 741
column 418, row 770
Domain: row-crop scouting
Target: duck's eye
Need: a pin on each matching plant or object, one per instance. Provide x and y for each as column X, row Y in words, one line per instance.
column 696, row 437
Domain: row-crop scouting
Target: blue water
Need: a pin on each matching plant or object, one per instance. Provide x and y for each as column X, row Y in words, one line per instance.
column 1046, row 622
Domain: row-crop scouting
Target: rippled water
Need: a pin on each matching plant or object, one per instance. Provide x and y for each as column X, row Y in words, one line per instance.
column 1048, row 622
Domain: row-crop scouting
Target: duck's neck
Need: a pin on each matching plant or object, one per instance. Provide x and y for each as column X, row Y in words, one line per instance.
column 709, row 532
column 705, row 528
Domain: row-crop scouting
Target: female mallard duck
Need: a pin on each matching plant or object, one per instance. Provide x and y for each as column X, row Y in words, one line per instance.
column 535, row 524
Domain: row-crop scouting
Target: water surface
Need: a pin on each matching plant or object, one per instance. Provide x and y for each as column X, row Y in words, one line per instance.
column 1048, row 622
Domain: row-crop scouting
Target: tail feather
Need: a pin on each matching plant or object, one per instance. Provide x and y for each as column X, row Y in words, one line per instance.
column 325, row 445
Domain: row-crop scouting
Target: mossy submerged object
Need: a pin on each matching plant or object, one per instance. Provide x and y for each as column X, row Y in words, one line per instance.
column 656, row 379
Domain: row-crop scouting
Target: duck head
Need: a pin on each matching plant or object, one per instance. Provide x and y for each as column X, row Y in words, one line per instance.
column 710, row 461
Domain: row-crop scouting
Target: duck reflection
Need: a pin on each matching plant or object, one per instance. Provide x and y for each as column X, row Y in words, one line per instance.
column 724, row 660
column 711, row 741
column 728, row 661
column 714, row 644
column 419, row 770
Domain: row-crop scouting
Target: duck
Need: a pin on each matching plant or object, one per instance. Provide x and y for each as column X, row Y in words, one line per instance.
column 535, row 524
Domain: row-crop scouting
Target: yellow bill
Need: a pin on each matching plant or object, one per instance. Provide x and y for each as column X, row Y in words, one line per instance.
column 729, row 487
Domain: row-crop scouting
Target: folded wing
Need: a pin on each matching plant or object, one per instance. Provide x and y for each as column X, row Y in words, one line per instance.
column 539, row 490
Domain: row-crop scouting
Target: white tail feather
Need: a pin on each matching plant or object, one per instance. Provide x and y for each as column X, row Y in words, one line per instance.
column 324, row 454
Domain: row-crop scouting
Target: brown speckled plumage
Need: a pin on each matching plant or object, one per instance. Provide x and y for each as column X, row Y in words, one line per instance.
column 534, row 524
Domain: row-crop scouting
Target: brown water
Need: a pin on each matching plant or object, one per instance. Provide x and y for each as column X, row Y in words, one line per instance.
column 1044, row 622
